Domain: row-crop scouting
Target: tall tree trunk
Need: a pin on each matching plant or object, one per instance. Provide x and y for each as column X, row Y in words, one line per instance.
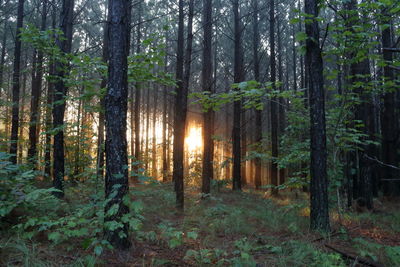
column 154, row 137
column 243, row 147
column 258, row 112
column 389, row 122
column 3, row 57
column 16, row 84
column 116, row 107
column 49, row 105
column 60, row 93
column 35, row 95
column 294, row 59
column 274, row 100
column 281, row 108
column 207, row 85
column 360, row 73
column 138, row 92
column 302, row 74
column 319, row 181
column 22, row 109
column 237, row 105
column 100, row 140
column 147, row 129
column 165, row 118
column 179, row 114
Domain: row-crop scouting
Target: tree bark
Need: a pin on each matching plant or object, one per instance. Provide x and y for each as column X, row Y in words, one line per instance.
column 116, row 108
column 100, row 140
column 154, row 137
column 165, row 118
column 360, row 73
column 237, row 105
column 3, row 57
column 49, row 105
column 138, row 92
column 388, row 119
column 147, row 158
column 319, row 181
column 16, row 84
column 60, row 93
column 35, row 95
column 281, row 108
column 179, row 114
column 274, row 101
column 258, row 113
column 207, row 86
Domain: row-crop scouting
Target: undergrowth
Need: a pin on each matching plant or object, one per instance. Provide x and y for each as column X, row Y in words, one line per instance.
column 223, row 229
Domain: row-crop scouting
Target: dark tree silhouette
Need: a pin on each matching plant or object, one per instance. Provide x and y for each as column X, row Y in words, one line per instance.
column 37, row 78
column 60, row 93
column 237, row 105
column 16, row 84
column 179, row 114
column 207, row 85
column 319, row 181
column 116, row 108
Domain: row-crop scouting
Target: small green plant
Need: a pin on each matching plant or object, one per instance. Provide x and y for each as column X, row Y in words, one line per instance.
column 214, row 257
column 296, row 253
column 172, row 237
column 243, row 253
column 393, row 255
column 367, row 249
column 217, row 185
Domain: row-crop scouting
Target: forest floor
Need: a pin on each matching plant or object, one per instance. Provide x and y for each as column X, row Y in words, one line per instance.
column 229, row 228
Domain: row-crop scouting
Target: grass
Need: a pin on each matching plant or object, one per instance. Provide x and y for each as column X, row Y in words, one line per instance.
column 226, row 229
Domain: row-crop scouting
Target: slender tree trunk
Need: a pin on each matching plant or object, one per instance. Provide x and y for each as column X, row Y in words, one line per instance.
column 154, row 137
column 360, row 73
column 281, row 108
column 35, row 95
column 302, row 74
column 274, row 100
column 237, row 105
column 78, row 138
column 49, row 106
column 389, row 122
column 165, row 118
column 294, row 59
column 3, row 57
column 116, row 107
column 258, row 112
column 22, row 112
column 179, row 114
column 147, row 129
column 100, row 140
column 243, row 148
column 138, row 93
column 319, row 181
column 16, row 84
column 60, row 93
column 207, row 85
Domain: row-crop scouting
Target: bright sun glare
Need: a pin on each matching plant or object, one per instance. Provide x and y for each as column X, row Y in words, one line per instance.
column 194, row 140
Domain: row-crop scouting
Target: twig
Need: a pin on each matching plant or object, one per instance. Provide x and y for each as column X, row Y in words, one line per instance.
column 380, row 162
column 325, row 36
column 391, row 49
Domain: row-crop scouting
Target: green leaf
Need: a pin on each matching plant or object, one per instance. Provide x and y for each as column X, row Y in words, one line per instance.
column 98, row 250
column 192, row 235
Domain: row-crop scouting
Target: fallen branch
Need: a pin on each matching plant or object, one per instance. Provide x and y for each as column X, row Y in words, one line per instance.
column 358, row 259
column 380, row 162
column 335, row 233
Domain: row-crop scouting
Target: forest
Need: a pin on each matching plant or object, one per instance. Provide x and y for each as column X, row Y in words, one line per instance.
column 200, row 133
